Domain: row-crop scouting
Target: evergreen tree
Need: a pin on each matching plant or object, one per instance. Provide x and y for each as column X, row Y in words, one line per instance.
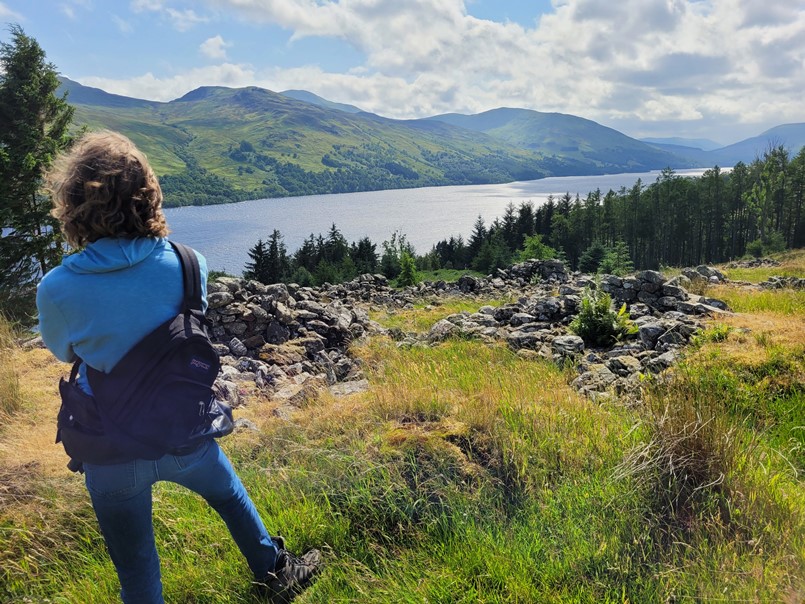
column 408, row 274
column 591, row 259
column 364, row 256
column 477, row 238
column 278, row 265
column 617, row 260
column 535, row 249
column 257, row 269
column 34, row 129
column 307, row 256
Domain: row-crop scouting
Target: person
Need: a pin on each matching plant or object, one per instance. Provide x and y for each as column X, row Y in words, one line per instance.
column 125, row 280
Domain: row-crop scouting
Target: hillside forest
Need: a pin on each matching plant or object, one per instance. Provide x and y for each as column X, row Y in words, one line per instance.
column 753, row 209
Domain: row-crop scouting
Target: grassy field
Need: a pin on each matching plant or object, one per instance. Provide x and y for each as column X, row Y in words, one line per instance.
column 466, row 474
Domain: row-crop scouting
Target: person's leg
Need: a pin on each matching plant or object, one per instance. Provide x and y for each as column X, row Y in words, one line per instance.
column 121, row 497
column 208, row 472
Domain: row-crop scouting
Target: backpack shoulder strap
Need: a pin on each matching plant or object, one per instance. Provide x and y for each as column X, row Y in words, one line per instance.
column 191, row 275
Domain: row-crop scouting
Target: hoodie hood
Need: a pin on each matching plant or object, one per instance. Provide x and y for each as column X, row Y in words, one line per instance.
column 112, row 254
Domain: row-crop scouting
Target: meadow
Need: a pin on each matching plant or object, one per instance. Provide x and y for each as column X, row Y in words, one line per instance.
column 466, row 474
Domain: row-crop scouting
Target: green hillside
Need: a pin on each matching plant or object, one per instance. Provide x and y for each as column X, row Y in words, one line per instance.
column 585, row 144
column 219, row 144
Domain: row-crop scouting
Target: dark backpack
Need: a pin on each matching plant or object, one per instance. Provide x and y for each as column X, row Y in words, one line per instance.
column 158, row 399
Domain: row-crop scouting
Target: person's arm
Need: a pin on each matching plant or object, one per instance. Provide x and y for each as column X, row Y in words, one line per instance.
column 53, row 326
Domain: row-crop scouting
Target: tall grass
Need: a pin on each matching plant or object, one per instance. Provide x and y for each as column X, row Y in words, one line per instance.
column 469, row 474
column 10, row 395
column 721, row 471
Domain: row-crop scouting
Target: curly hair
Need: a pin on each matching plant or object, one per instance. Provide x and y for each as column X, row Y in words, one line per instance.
column 104, row 187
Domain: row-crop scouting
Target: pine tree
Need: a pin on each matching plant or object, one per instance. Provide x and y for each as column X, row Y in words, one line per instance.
column 34, row 129
column 408, row 275
column 278, row 266
column 257, row 269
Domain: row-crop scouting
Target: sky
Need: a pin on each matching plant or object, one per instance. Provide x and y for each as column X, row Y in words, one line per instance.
column 718, row 69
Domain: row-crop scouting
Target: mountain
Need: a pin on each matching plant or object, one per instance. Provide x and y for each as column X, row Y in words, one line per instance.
column 575, row 139
column 693, row 155
column 314, row 99
column 705, row 144
column 78, row 94
column 791, row 136
column 219, row 144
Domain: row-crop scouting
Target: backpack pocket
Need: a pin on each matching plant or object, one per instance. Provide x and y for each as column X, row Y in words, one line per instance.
column 80, row 430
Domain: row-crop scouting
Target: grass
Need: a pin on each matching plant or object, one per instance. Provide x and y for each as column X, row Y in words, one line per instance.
column 423, row 315
column 792, row 264
column 467, row 474
column 10, row 396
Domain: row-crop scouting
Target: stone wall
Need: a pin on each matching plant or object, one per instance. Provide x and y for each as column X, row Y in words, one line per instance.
column 292, row 340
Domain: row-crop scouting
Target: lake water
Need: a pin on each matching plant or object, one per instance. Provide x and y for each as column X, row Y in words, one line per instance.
column 224, row 233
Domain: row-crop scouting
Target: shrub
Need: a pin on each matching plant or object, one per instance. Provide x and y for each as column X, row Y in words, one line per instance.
column 597, row 323
column 533, row 247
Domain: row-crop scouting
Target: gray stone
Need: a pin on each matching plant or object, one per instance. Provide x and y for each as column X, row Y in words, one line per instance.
column 245, row 425
column 349, row 388
column 226, row 391
column 649, row 334
column 566, row 346
column 442, row 330
column 674, row 291
column 237, row 328
column 237, row 348
column 624, row 365
column 278, row 291
column 276, row 333
column 525, row 339
column 521, row 318
column 650, row 277
column 255, row 341
column 596, row 378
column 219, row 299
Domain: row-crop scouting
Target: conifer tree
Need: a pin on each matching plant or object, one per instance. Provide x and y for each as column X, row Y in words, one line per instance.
column 34, row 129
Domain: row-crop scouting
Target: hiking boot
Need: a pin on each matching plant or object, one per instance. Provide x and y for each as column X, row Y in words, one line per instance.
column 291, row 575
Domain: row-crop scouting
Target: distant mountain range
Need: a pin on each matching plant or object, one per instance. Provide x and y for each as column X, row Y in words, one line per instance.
column 219, row 144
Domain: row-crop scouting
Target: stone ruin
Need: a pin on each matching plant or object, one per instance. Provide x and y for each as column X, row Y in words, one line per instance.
column 292, row 341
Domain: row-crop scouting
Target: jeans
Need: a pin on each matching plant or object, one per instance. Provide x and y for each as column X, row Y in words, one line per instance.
column 121, row 496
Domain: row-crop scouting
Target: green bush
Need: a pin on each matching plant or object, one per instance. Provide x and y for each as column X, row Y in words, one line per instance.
column 597, row 323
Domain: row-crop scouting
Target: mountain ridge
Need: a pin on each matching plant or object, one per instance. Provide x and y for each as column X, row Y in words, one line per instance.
column 216, row 144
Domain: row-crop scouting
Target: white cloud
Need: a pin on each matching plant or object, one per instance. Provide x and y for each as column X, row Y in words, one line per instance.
column 155, row 88
column 7, row 13
column 628, row 63
column 139, row 6
column 182, row 20
column 68, row 11
column 215, row 47
column 185, row 19
column 124, row 26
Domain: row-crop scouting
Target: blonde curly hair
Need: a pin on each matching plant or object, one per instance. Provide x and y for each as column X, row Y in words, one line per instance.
column 104, row 187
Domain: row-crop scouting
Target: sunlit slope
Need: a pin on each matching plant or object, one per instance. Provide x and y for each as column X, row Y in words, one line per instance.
column 581, row 143
column 261, row 142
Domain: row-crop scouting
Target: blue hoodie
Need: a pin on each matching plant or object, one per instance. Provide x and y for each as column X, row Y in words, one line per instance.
column 103, row 300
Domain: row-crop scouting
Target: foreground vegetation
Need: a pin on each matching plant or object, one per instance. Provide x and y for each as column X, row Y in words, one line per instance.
column 467, row 474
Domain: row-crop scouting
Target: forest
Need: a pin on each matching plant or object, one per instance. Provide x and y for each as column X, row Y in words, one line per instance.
column 752, row 209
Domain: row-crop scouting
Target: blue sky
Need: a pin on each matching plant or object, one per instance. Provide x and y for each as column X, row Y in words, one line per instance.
column 723, row 69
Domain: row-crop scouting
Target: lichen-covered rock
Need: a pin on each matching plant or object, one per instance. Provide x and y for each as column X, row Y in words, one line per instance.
column 442, row 330
column 567, row 346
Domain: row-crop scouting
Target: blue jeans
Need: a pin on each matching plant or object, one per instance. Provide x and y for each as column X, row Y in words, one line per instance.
column 121, row 496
